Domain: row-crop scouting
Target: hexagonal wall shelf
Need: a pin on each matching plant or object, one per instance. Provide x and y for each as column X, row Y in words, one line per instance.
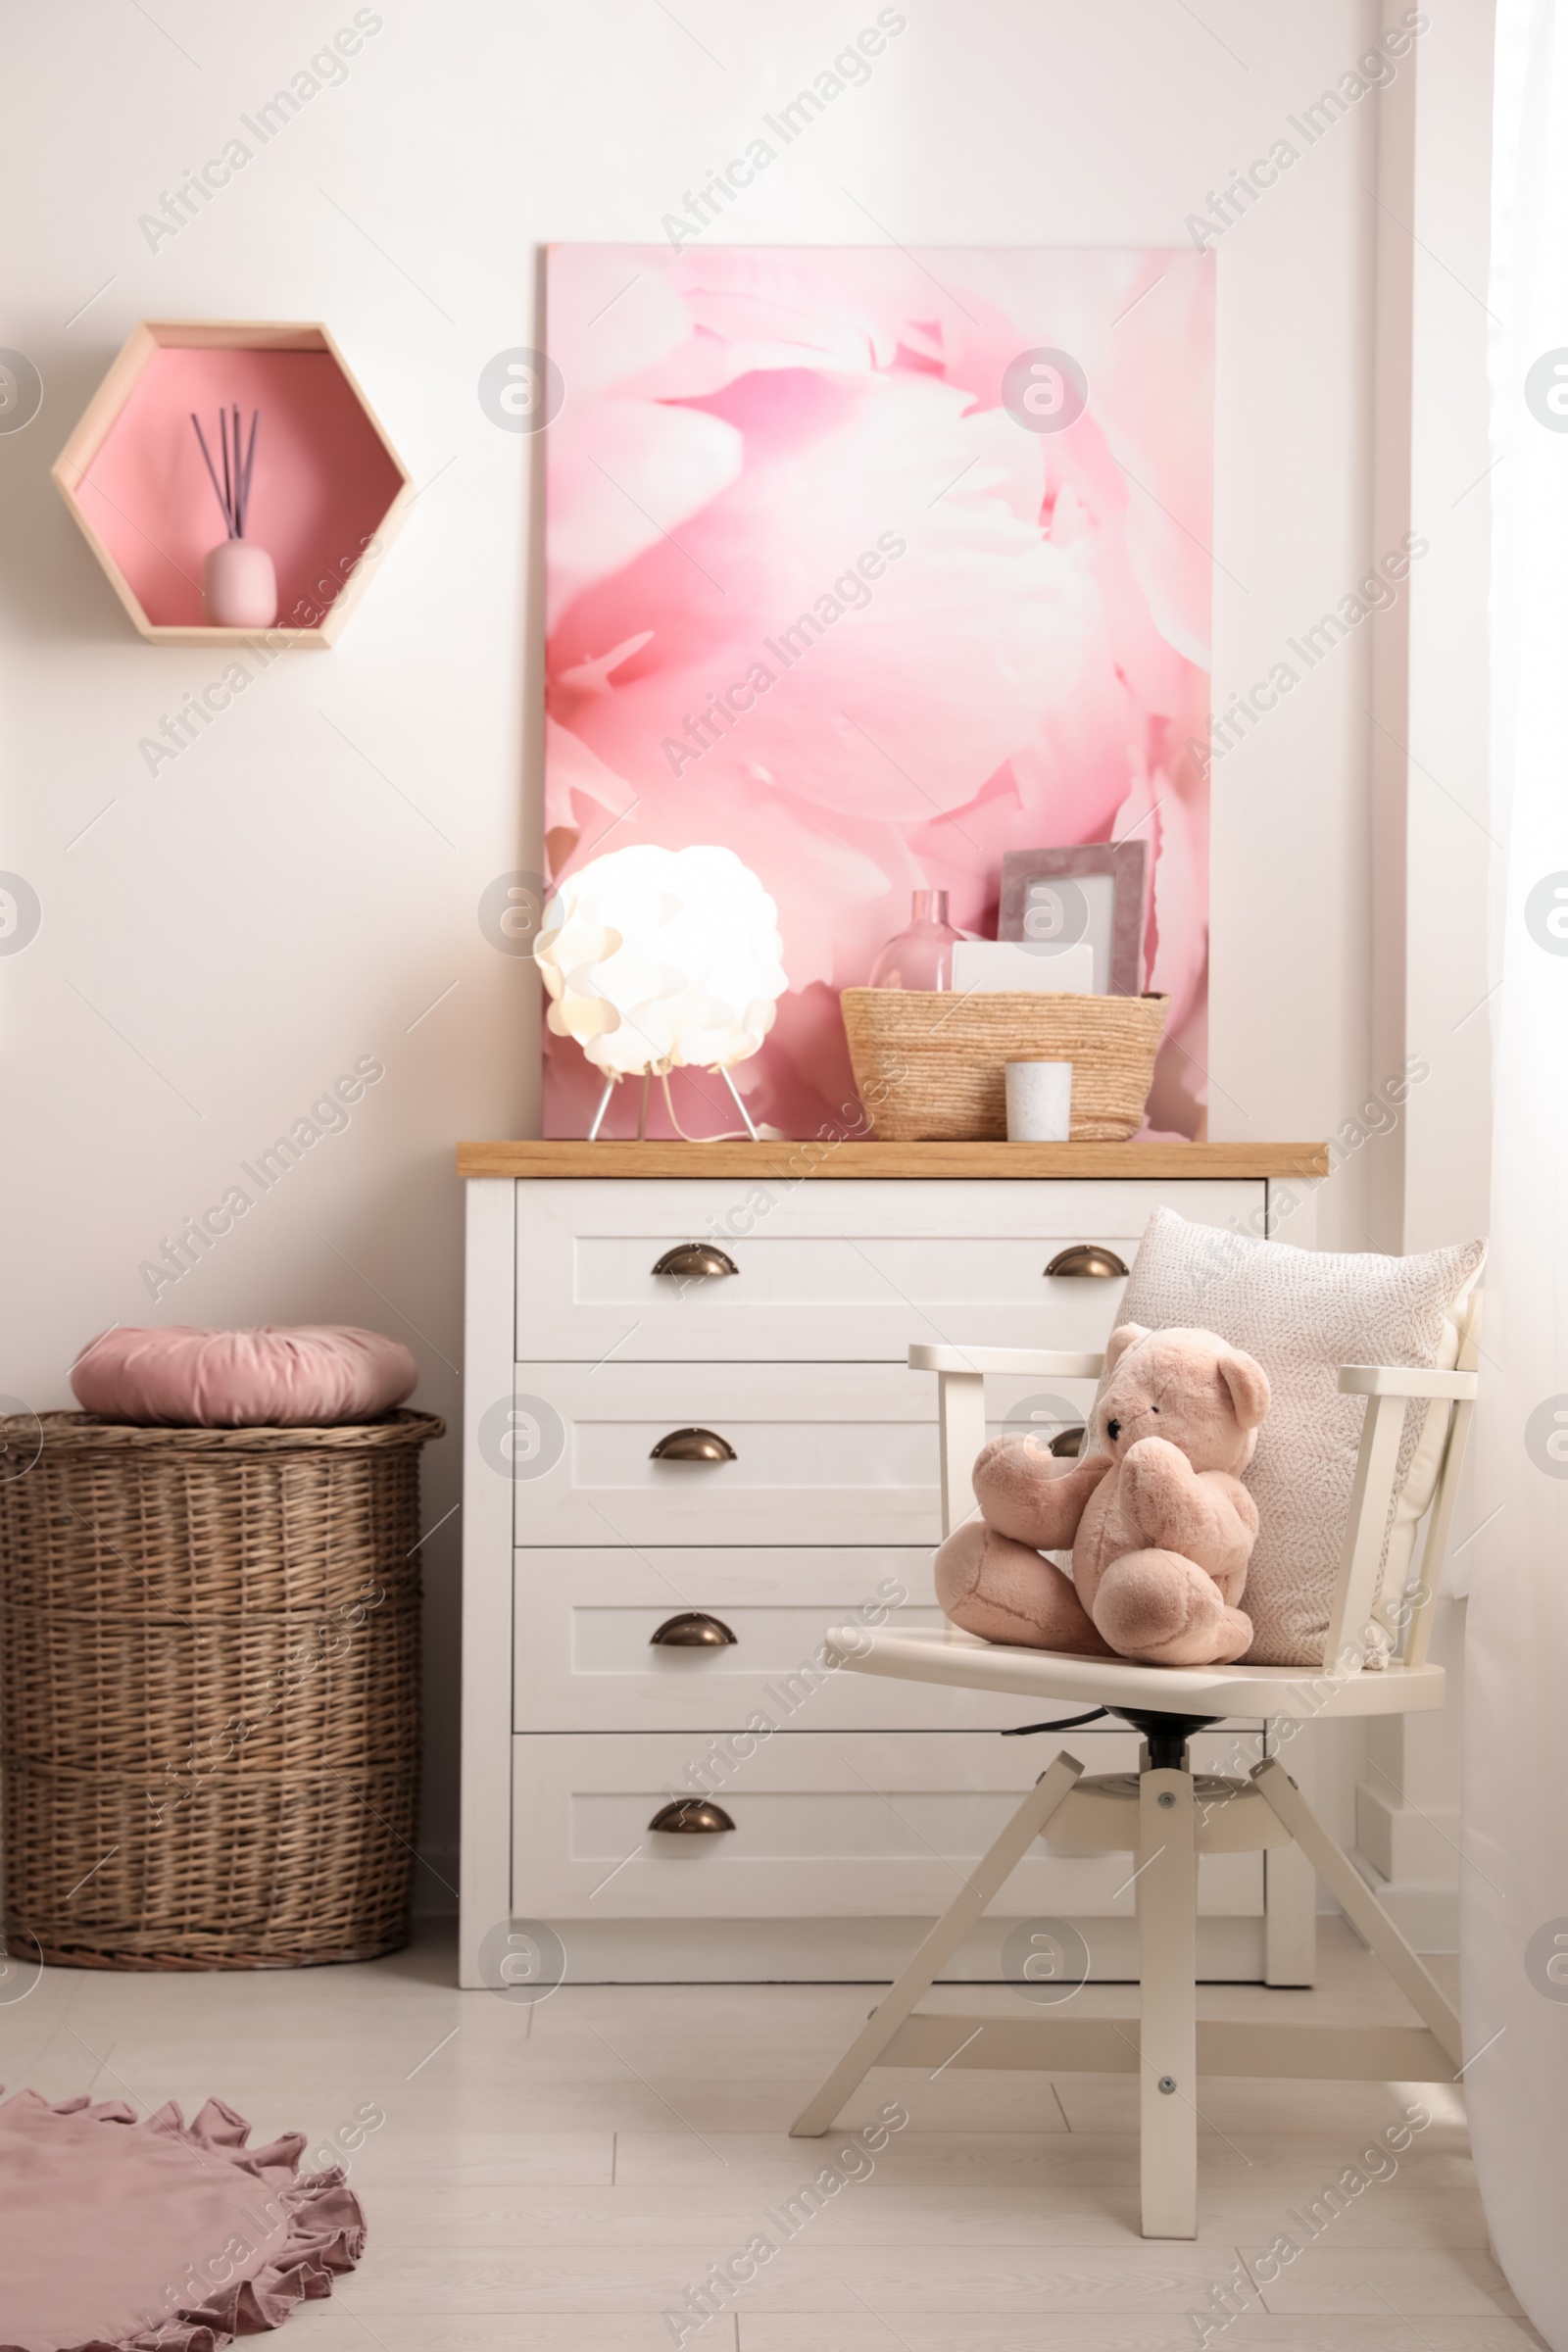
column 327, row 494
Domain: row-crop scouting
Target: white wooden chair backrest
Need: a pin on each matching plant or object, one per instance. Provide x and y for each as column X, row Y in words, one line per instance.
column 1359, row 1606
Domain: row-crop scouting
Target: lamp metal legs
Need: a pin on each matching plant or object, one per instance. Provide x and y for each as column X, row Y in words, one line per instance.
column 642, row 1116
column 599, row 1114
column 739, row 1104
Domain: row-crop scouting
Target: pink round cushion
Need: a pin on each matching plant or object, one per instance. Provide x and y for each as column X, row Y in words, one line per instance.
column 274, row 1379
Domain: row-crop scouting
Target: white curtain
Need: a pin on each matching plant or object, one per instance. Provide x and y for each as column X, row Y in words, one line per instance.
column 1514, row 1970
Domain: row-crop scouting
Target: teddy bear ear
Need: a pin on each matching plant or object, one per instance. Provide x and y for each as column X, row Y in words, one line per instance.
column 1247, row 1383
column 1125, row 1336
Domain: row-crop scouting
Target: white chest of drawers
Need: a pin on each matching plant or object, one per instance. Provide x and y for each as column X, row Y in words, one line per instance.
column 809, row 1496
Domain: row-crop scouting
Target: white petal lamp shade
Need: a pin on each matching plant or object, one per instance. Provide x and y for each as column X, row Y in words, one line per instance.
column 657, row 959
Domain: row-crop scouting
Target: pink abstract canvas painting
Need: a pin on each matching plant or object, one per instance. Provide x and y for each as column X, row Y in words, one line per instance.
column 871, row 565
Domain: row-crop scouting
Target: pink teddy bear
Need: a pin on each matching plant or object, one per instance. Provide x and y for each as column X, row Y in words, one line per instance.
column 1160, row 1526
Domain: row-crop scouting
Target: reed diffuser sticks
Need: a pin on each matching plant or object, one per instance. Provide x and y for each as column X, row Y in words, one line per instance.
column 233, row 493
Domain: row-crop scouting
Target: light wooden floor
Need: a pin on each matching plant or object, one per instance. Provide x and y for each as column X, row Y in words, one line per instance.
column 554, row 2179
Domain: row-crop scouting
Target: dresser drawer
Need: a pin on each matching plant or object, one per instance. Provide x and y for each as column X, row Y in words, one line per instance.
column 846, row 1271
column 852, row 1824
column 823, row 1453
column 586, row 1659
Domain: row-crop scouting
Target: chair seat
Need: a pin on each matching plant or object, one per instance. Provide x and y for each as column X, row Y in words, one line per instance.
column 944, row 1655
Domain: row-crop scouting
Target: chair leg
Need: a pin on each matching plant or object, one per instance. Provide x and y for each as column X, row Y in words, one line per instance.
column 1360, row 1905
column 1167, row 1941
column 991, row 1875
column 1290, row 1917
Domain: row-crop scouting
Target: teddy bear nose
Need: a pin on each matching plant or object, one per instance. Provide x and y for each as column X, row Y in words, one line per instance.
column 1113, row 1431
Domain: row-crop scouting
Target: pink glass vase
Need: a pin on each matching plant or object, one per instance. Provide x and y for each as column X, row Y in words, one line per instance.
column 921, row 955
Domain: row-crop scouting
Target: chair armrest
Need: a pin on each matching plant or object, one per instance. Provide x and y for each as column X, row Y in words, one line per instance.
column 1395, row 1380
column 1051, row 1363
column 962, row 1404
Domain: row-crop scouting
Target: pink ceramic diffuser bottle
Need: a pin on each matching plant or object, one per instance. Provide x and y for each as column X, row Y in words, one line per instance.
column 920, row 955
column 239, row 586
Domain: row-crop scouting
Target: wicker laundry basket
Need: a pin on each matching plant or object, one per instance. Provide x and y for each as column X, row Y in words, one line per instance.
column 208, row 1690
column 931, row 1066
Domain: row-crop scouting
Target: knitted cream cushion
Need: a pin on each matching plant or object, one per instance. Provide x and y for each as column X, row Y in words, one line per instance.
column 1303, row 1313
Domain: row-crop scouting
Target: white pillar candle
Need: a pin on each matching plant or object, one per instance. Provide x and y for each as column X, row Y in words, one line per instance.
column 1039, row 1102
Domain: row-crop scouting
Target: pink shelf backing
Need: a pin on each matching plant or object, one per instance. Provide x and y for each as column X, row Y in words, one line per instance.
column 322, row 483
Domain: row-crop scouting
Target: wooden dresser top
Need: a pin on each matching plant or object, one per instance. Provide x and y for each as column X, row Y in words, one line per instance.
column 1155, row 1163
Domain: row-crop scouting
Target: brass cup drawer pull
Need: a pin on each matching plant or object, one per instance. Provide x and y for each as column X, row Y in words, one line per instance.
column 1068, row 1443
column 693, row 1445
column 691, row 1817
column 693, row 1629
column 1088, row 1258
column 696, row 1262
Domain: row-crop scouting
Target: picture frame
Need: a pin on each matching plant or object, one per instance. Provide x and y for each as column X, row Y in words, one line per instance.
column 1094, row 891
column 885, row 691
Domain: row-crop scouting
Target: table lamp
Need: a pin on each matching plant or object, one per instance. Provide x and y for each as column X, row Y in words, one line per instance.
column 662, row 960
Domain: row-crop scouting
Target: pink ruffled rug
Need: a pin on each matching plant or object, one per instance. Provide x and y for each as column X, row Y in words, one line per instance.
column 157, row 2236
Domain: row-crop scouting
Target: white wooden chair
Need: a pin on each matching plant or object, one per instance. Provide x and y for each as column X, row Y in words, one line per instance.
column 1156, row 1813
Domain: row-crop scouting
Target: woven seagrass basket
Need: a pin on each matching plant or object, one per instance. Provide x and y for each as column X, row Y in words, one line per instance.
column 208, row 1690
column 930, row 1065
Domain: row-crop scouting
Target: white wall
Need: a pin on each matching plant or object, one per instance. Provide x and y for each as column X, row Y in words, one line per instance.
column 1448, row 1176
column 223, row 940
